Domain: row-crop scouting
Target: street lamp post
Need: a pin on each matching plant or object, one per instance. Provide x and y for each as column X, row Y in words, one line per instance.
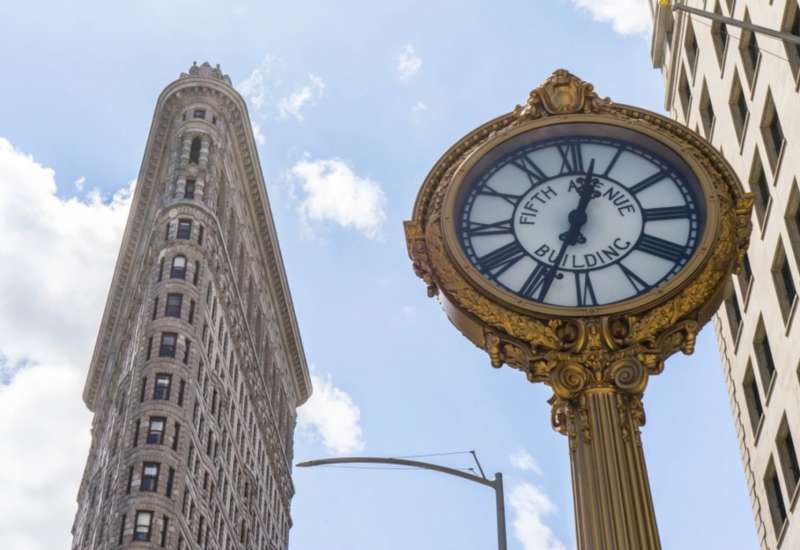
column 496, row 483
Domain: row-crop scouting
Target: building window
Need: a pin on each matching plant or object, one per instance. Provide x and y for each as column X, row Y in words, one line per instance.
column 200, row 233
column 149, row 476
column 155, row 308
column 194, row 151
column 760, row 188
column 196, row 277
column 178, row 269
column 188, row 190
column 155, row 430
column 164, row 531
column 174, row 305
column 176, row 436
column 784, row 281
column 184, row 229
column 199, row 113
column 690, row 45
column 130, row 481
column 168, row 345
column 777, row 506
column 143, row 523
column 121, row 529
column 764, row 358
column 739, row 109
column 149, row 349
column 162, row 386
column 734, row 314
column 749, row 50
column 170, row 481
column 791, row 24
column 186, row 351
column 181, row 391
column 787, row 453
column 772, row 132
column 719, row 32
column 191, row 312
column 707, row 115
column 142, row 389
column 161, row 269
column 136, row 432
column 753, row 398
column 685, row 94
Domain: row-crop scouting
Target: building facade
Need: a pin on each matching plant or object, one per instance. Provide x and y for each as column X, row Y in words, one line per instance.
column 740, row 91
column 198, row 366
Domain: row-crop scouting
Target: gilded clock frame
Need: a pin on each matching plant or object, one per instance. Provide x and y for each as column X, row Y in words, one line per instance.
column 519, row 331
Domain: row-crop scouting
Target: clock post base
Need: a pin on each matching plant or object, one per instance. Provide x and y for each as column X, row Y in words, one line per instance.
column 613, row 504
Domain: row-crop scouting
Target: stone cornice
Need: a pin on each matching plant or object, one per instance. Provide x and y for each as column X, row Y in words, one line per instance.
column 246, row 156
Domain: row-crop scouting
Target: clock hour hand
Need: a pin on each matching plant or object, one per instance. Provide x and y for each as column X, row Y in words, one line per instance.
column 577, row 219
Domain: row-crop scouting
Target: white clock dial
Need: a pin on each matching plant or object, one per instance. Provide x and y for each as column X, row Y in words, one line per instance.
column 580, row 221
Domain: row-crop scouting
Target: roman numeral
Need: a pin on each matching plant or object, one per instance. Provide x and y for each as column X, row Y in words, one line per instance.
column 535, row 281
column 496, row 228
column 612, row 163
column 647, row 182
column 499, row 260
column 639, row 284
column 665, row 213
column 656, row 246
column 571, row 158
column 531, row 169
column 509, row 198
column 584, row 289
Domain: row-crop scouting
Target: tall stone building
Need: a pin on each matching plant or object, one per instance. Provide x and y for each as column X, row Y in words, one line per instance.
column 198, row 366
column 740, row 91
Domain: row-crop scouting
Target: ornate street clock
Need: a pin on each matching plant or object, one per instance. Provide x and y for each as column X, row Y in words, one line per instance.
column 583, row 242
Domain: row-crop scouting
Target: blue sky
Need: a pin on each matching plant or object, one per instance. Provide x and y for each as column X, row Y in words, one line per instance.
column 354, row 100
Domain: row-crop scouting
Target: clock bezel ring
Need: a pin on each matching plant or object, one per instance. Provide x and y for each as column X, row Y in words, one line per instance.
column 558, row 126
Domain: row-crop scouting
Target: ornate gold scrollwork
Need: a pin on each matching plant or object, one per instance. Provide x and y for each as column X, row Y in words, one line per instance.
column 612, row 349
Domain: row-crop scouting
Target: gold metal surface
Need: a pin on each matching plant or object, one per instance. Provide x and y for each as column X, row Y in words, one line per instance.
column 596, row 360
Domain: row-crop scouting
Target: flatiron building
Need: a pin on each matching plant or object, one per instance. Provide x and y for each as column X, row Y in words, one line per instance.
column 198, row 367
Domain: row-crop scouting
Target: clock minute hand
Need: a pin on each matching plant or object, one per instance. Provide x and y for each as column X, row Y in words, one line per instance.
column 576, row 218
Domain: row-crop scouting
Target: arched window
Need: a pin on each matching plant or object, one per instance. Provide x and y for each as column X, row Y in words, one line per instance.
column 194, row 152
column 178, row 270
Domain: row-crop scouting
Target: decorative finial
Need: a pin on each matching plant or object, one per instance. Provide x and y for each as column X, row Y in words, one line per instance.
column 207, row 71
column 562, row 93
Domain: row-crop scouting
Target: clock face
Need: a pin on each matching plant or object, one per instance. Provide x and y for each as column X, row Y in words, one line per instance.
column 581, row 220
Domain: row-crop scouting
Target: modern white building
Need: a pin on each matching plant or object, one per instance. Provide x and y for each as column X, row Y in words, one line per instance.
column 740, row 91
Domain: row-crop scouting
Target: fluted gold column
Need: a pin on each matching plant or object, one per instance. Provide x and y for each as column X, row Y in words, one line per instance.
column 611, row 491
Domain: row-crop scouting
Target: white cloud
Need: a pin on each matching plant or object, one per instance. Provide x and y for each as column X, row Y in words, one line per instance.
column 331, row 415
column 529, row 505
column 333, row 192
column 523, row 460
column 258, row 133
column 408, row 63
column 255, row 88
column 626, row 16
column 419, row 107
column 293, row 104
column 45, row 437
column 79, row 183
column 58, row 257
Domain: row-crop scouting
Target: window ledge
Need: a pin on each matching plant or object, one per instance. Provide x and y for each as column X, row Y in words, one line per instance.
column 764, row 221
column 757, row 432
column 790, row 317
column 781, row 534
column 738, row 337
column 746, row 294
column 793, row 498
column 770, row 387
